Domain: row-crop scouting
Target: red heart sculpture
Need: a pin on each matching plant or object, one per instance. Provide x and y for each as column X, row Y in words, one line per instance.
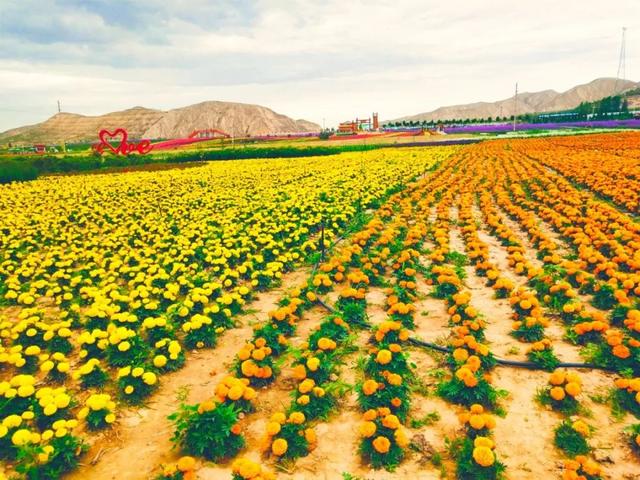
column 105, row 136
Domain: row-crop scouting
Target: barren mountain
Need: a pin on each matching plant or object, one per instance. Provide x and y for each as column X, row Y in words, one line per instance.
column 535, row 102
column 238, row 119
column 235, row 118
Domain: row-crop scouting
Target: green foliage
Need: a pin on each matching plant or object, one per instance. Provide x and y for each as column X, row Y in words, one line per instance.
column 96, row 419
column 545, row 359
column 604, row 298
column 467, row 469
column 569, row 440
column 28, row 168
column 96, row 378
column 136, row 354
column 568, row 405
column 457, row 259
column 329, row 329
column 426, row 420
column 63, row 458
column 625, row 400
column 297, row 443
column 602, row 355
column 19, row 170
column 389, row 460
column 353, row 312
column 207, row 434
column 203, row 337
column 383, row 398
column 531, row 334
column 141, row 388
column 349, row 476
column 455, row 391
column 318, row 406
column 633, row 434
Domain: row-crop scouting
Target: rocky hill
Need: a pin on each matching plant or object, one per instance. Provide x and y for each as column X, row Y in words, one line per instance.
column 536, row 102
column 238, row 119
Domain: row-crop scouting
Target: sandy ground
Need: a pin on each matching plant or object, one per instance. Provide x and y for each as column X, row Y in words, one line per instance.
column 140, row 440
column 524, row 436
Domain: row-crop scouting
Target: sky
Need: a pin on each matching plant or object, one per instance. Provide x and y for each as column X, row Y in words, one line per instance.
column 324, row 61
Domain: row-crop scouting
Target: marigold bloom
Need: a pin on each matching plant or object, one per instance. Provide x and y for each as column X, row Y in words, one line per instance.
column 381, row 444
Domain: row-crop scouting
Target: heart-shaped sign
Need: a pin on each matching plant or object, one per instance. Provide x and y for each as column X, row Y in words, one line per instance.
column 106, row 137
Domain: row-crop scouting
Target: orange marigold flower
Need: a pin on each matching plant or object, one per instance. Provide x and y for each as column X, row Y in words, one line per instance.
column 557, row 377
column 391, row 421
column 369, row 387
column 572, row 388
column 557, row 393
column 381, row 444
column 370, row 414
column 621, row 351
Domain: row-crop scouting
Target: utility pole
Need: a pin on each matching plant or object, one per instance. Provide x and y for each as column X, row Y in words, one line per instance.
column 622, row 61
column 515, row 108
column 59, row 110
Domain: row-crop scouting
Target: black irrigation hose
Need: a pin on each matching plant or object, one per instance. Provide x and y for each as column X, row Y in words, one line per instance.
column 511, row 363
column 500, row 361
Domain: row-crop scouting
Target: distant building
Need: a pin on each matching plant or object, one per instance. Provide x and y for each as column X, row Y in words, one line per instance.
column 358, row 125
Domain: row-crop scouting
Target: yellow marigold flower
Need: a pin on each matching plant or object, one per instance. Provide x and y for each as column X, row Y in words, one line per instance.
column 159, row 361
column 582, row 428
column 21, row 437
column 279, row 447
column 368, row 429
column 186, row 463
column 483, row 456
column 313, row 363
column 477, row 422
column 278, row 417
column 297, row 418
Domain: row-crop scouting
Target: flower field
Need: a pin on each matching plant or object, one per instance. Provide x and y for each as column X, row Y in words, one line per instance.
column 466, row 312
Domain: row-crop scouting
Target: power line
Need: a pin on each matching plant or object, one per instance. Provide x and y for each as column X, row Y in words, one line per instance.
column 622, row 61
column 515, row 107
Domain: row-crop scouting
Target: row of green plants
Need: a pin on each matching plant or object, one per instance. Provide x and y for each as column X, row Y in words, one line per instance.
column 15, row 169
column 384, row 395
column 212, row 429
column 469, row 359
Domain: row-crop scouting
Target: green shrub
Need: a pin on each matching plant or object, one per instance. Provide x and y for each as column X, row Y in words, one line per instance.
column 17, row 171
column 570, row 440
column 207, row 433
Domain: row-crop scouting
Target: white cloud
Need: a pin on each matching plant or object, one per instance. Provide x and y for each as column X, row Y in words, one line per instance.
column 313, row 60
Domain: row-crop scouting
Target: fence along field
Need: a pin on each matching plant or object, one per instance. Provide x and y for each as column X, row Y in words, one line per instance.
column 501, row 255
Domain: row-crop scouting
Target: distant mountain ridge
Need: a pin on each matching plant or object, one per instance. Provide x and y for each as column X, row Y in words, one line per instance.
column 528, row 102
column 238, row 119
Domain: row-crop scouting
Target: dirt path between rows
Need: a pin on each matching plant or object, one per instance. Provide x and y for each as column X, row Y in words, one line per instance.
column 140, row 440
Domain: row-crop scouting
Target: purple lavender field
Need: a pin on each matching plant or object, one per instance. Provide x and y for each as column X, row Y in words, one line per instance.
column 505, row 127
